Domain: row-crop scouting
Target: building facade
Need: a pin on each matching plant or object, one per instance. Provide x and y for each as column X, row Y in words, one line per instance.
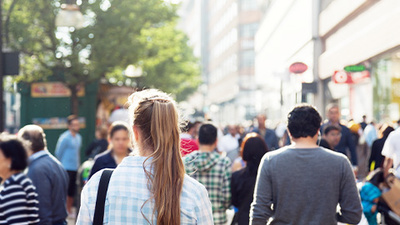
column 227, row 32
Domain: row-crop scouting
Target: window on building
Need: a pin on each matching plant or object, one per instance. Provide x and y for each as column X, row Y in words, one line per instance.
column 248, row 5
column 248, row 30
column 247, row 59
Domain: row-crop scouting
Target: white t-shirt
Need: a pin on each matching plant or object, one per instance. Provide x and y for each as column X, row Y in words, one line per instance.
column 228, row 143
column 391, row 149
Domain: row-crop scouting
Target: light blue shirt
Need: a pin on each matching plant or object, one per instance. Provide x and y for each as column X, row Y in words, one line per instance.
column 370, row 134
column 128, row 192
column 68, row 149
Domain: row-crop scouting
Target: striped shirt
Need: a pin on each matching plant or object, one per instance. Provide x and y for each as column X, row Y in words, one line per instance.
column 127, row 195
column 18, row 201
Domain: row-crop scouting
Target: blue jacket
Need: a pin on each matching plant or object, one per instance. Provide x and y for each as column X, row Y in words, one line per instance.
column 51, row 182
column 346, row 142
column 68, row 150
column 270, row 138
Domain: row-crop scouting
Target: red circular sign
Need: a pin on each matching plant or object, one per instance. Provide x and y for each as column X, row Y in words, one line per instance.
column 298, row 67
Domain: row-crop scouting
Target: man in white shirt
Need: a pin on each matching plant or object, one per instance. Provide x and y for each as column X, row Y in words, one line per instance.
column 230, row 143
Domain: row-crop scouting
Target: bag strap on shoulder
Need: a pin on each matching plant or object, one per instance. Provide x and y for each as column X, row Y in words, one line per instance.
column 101, row 197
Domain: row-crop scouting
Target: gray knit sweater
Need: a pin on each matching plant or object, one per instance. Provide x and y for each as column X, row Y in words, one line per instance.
column 305, row 186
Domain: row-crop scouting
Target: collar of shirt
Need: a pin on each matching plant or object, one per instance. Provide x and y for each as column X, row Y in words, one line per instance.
column 37, row 155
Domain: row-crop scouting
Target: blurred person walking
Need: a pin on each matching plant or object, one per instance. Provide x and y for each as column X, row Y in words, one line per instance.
column 188, row 140
column 150, row 188
column 18, row 197
column 269, row 135
column 48, row 175
column 391, row 151
column 330, row 137
column 243, row 181
column 346, row 143
column 229, row 143
column 212, row 170
column 68, row 151
column 376, row 159
column 120, row 143
column 100, row 144
column 304, row 183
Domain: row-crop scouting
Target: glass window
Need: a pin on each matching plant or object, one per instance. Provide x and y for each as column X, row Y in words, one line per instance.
column 248, row 5
column 248, row 30
column 247, row 58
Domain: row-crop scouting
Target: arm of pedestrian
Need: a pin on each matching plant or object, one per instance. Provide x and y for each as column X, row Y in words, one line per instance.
column 261, row 207
column 349, row 199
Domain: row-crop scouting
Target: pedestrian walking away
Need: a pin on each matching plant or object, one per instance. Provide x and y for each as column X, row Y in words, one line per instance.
column 48, row 175
column 304, row 183
column 150, row 187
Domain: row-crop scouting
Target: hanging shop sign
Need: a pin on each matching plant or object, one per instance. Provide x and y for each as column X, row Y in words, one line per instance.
column 355, row 68
column 298, row 67
column 343, row 77
column 53, row 89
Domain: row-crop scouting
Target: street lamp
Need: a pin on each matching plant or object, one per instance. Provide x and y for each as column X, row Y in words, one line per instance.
column 70, row 16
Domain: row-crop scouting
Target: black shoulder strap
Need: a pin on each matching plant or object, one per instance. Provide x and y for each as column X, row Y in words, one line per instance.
column 101, row 197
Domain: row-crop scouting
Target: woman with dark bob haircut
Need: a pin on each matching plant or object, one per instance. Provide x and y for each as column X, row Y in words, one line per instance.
column 243, row 181
column 18, row 197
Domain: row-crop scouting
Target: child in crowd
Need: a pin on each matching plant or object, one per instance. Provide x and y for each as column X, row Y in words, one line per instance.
column 370, row 193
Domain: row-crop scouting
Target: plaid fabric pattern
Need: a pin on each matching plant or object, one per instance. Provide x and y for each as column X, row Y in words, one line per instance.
column 214, row 172
column 128, row 192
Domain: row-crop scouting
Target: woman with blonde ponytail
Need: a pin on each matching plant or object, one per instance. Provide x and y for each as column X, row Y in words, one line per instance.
column 150, row 187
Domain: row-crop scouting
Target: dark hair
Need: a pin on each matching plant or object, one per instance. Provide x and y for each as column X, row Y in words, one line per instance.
column 116, row 126
column 375, row 177
column 207, row 134
column 188, row 126
column 330, row 128
column 252, row 150
column 387, row 131
column 304, row 121
column 14, row 149
column 35, row 135
column 71, row 118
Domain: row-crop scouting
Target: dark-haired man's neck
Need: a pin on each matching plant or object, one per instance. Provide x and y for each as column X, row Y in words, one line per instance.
column 206, row 148
column 305, row 142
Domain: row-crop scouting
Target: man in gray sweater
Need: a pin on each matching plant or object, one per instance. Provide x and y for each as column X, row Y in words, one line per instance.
column 304, row 183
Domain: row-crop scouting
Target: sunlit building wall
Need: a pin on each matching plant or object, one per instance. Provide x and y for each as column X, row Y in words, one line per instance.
column 285, row 36
column 363, row 32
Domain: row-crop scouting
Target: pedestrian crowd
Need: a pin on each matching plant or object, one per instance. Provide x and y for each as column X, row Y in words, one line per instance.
column 153, row 171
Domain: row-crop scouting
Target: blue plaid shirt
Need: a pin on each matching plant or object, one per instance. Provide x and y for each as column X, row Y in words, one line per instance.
column 128, row 192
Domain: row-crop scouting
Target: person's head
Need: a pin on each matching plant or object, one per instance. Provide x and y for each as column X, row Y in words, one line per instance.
column 364, row 118
column 119, row 137
column 13, row 156
column 376, row 177
column 73, row 123
column 385, row 130
column 208, row 134
column 252, row 150
column 304, row 121
column 332, row 134
column 155, row 122
column 232, row 130
column 261, row 120
column 333, row 113
column 101, row 132
column 35, row 135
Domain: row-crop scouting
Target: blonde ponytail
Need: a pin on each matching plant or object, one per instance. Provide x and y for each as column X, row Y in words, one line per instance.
column 156, row 116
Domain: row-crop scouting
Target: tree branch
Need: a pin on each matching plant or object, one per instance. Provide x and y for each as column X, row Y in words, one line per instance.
column 7, row 22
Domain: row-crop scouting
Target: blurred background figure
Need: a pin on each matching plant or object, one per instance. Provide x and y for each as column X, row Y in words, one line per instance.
column 229, row 143
column 330, row 137
column 67, row 151
column 188, row 138
column 376, row 159
column 269, row 135
column 243, row 181
column 119, row 148
column 48, row 175
column 18, row 198
column 100, row 144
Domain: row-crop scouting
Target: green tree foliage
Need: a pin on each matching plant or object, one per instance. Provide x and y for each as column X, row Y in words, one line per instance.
column 117, row 33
